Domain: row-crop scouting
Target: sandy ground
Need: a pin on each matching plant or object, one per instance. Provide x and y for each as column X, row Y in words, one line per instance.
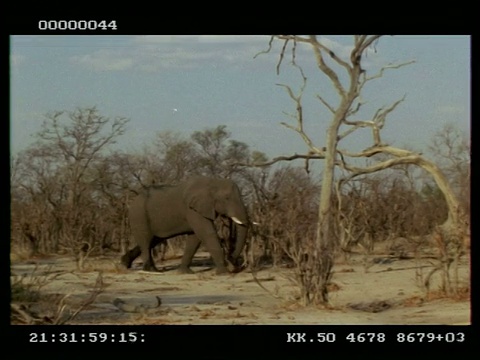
column 387, row 291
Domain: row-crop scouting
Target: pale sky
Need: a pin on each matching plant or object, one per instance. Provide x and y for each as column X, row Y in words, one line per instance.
column 189, row 83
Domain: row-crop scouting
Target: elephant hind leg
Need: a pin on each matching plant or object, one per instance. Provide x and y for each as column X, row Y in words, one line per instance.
column 129, row 256
column 146, row 252
column 145, row 240
column 148, row 263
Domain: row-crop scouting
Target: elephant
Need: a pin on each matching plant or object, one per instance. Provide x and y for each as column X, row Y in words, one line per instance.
column 161, row 212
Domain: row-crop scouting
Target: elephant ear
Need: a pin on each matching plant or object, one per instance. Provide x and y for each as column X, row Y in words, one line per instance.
column 201, row 200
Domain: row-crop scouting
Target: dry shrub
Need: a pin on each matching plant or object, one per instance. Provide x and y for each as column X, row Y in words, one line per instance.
column 463, row 294
column 29, row 305
column 450, row 244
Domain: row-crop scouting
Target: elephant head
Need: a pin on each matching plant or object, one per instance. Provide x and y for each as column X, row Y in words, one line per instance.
column 213, row 197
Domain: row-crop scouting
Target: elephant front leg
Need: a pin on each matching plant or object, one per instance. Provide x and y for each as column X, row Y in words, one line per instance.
column 212, row 243
column 206, row 233
column 191, row 247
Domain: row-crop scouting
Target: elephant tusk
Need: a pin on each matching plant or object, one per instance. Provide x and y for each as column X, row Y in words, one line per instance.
column 236, row 220
column 255, row 223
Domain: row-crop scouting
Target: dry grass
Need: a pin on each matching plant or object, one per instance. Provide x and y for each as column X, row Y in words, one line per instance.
column 462, row 295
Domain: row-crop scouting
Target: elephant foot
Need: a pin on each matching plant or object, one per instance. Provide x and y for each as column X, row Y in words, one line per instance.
column 231, row 266
column 150, row 267
column 126, row 262
column 222, row 271
column 238, row 269
column 182, row 270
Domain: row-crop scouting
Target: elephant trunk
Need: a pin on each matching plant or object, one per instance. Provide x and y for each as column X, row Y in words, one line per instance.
column 241, row 237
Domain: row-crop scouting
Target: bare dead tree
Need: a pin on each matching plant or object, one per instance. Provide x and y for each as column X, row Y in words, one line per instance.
column 341, row 125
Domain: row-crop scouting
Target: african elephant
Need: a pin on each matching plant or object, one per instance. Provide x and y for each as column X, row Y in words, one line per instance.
column 161, row 212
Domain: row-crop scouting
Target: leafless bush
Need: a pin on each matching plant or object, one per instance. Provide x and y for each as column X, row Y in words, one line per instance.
column 27, row 287
column 285, row 209
column 49, row 309
column 450, row 244
column 378, row 209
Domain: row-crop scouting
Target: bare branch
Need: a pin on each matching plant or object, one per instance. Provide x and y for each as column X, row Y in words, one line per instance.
column 359, row 39
column 365, row 43
column 299, row 112
column 285, row 158
column 294, row 51
column 290, row 91
column 357, row 108
column 97, row 289
column 318, row 48
column 291, row 127
column 293, row 37
column 361, row 43
column 24, row 315
column 304, row 136
column 404, row 157
column 270, row 42
column 355, row 126
column 325, row 68
column 327, row 105
column 282, row 53
column 376, row 124
column 379, row 149
column 387, row 67
column 356, row 171
column 381, row 115
column 341, row 62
